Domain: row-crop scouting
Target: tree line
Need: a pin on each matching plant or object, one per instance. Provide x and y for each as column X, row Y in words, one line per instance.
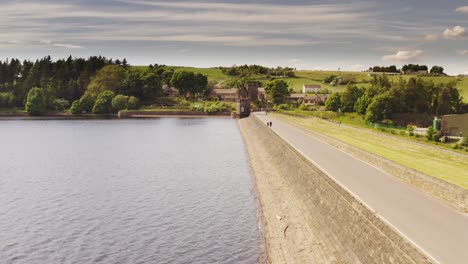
column 409, row 68
column 384, row 98
column 247, row 70
column 96, row 85
column 65, row 79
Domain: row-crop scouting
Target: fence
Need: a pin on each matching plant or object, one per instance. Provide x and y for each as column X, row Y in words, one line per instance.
column 376, row 125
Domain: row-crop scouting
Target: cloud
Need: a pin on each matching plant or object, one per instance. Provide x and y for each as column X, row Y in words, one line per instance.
column 403, row 55
column 456, row 33
column 431, row 37
column 45, row 41
column 357, row 67
column 232, row 24
column 463, row 52
column 462, row 9
column 67, row 46
column 295, row 61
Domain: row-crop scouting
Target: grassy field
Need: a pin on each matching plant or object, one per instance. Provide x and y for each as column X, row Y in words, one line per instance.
column 444, row 165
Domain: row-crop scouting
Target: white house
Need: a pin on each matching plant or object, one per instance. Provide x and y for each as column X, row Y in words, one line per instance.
column 311, row 88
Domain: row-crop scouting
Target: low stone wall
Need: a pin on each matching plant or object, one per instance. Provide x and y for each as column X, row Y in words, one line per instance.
column 133, row 114
column 347, row 220
column 451, row 194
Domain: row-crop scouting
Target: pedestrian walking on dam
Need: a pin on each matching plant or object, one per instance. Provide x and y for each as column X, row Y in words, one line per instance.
column 271, row 123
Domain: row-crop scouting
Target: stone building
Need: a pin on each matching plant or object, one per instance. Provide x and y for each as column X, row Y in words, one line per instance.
column 311, row 88
column 455, row 125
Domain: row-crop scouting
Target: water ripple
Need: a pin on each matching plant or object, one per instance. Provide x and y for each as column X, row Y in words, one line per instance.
column 126, row 191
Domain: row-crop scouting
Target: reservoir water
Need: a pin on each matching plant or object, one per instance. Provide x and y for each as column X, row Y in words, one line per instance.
column 126, row 191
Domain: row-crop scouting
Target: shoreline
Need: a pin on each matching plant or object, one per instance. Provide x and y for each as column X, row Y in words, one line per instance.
column 126, row 115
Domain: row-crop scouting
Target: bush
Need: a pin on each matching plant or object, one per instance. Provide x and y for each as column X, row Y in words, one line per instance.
column 432, row 134
column 463, row 142
column 76, row 108
column 87, row 102
column 303, row 107
column 35, row 102
column 103, row 104
column 60, row 104
column 410, row 130
column 282, row 107
column 211, row 107
column 333, row 102
column 132, row 103
column 120, row 102
column 7, row 100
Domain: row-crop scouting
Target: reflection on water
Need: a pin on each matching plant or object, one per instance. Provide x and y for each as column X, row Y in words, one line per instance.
column 126, row 191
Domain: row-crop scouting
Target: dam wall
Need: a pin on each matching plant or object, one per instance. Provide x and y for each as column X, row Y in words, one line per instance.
column 363, row 237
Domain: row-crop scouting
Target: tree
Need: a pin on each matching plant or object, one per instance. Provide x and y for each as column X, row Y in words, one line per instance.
column 87, row 102
column 437, row 70
column 151, row 86
column 103, row 103
column 166, row 76
column 333, row 102
column 448, row 99
column 278, row 90
column 184, row 82
column 202, row 83
column 108, row 78
column 132, row 103
column 349, row 97
column 120, row 102
column 365, row 100
column 381, row 108
column 35, row 102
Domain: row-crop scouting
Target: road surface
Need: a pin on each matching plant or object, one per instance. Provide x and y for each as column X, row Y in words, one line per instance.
column 437, row 229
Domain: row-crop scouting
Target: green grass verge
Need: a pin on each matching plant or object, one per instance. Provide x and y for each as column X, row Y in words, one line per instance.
column 444, row 165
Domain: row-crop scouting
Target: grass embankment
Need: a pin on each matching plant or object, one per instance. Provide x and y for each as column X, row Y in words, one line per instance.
column 444, row 165
column 356, row 120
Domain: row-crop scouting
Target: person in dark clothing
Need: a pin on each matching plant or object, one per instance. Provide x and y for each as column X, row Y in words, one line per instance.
column 271, row 123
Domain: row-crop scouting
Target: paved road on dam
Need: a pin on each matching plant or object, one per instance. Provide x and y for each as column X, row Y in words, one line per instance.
column 438, row 230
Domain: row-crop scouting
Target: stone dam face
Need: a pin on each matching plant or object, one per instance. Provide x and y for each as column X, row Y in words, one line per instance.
column 359, row 234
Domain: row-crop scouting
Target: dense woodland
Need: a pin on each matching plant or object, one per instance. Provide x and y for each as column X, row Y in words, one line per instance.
column 384, row 98
column 96, row 84
column 63, row 79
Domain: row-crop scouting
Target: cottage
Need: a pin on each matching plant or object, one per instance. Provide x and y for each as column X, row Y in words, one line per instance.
column 228, row 95
column 317, row 99
column 295, row 98
column 311, row 88
column 170, row 91
column 455, row 125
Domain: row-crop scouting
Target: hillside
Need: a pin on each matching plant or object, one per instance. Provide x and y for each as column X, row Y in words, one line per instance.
column 317, row 77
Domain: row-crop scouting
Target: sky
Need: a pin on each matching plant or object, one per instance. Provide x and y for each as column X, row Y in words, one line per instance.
column 307, row 35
